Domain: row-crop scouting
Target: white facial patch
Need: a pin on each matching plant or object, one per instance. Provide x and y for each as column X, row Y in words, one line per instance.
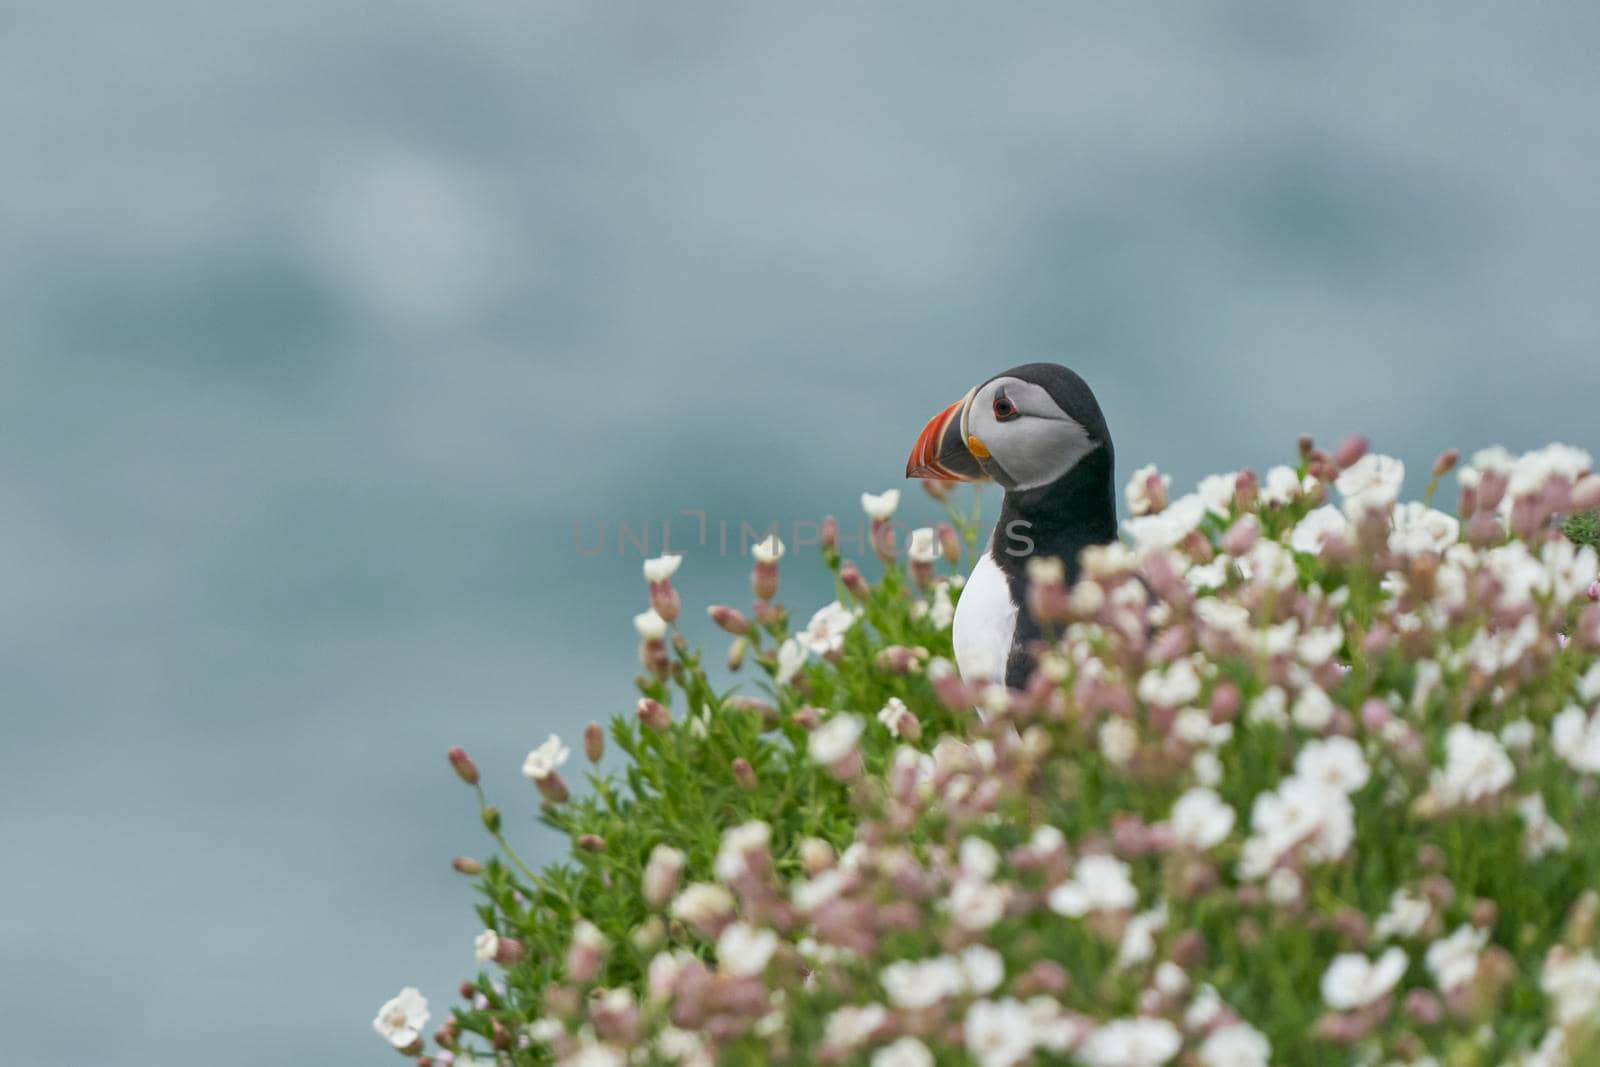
column 1035, row 446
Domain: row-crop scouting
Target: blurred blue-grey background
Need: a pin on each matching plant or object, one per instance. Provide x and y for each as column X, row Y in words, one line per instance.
column 322, row 324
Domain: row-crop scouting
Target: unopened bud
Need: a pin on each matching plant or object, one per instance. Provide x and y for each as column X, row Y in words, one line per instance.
column 937, row 488
column 764, row 580
column 816, row 855
column 594, row 742
column 661, row 874
column 491, row 818
column 664, row 599
column 553, row 788
column 1241, row 536
column 467, row 865
column 736, row 650
column 1446, row 462
column 591, row 842
column 508, row 951
column 1305, row 444
column 1350, row 450
column 1586, row 494
column 653, row 715
column 1245, row 488
column 850, row 575
column 465, row 769
column 1424, row 1006
column 743, row 773
column 828, row 536
column 729, row 619
column 949, row 543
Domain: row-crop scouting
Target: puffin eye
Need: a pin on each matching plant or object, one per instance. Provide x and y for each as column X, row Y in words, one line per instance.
column 1004, row 409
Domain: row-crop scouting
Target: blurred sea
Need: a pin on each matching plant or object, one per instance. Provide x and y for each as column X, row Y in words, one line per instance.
column 324, row 324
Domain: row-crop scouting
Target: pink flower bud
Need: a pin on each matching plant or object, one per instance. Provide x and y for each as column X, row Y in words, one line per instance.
column 1446, row 462
column 664, row 599
column 465, row 769
column 509, row 950
column 653, row 715
column 661, row 875
column 1350, row 450
column 950, row 543
column 850, row 575
column 1245, row 488
column 1224, row 702
column 1375, row 714
column 1594, row 589
column 882, row 534
column 1241, row 536
column 743, row 773
column 1484, row 530
column 585, row 954
column 729, row 619
column 1586, row 494
column 594, row 742
column 1424, row 1006
column 553, row 788
column 828, row 538
column 764, row 580
column 805, row 718
column 467, row 865
column 591, row 842
column 937, row 488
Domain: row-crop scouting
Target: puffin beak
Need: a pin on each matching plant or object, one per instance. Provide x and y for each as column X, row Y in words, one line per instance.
column 942, row 453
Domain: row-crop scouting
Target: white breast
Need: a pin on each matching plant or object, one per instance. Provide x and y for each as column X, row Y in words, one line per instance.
column 985, row 622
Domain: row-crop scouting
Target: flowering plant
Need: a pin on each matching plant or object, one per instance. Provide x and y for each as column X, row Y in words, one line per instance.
column 1296, row 782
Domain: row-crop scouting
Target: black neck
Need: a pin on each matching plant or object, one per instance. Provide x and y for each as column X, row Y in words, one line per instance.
column 1058, row 520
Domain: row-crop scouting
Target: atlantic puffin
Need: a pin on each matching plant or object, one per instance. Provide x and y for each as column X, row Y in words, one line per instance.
column 1037, row 431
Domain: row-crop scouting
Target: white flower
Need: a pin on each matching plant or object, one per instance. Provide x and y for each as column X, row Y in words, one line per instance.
column 402, row 1020
column 1271, row 708
column 1475, row 766
column 1518, row 735
column 1589, row 685
column 1418, row 528
column 486, row 946
column 1283, row 484
column 984, row 968
column 1204, row 578
column 895, row 715
column 1118, row 740
column 702, row 902
column 978, row 858
column 1172, row 688
column 1453, row 960
column 1313, row 709
column 1138, row 490
column 1132, row 1043
column 1098, row 883
column 1235, row 1045
column 1316, row 647
column 1530, row 471
column 906, row 1052
column 943, row 612
column 1139, row 936
column 1543, row 835
column 1207, row 768
column 1216, row 492
column 1352, row 981
column 791, row 657
column 998, row 1033
column 976, row 904
column 1576, row 739
column 882, row 505
column 916, row 984
column 661, row 568
column 1300, row 813
column 1313, row 531
column 744, row 950
column 1333, row 761
column 543, row 761
column 849, row 1026
column 651, row 627
column 1572, row 981
column 769, row 550
column 1284, row 887
column 753, row 836
column 824, row 634
column 924, row 546
column 1167, row 528
column 591, row 1054
column 834, row 739
column 1201, row 819
column 1406, row 917
column 1373, row 481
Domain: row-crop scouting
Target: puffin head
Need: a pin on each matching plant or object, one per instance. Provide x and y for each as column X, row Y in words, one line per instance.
column 1023, row 429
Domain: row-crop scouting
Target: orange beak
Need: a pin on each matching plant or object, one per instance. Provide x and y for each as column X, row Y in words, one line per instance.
column 942, row 452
